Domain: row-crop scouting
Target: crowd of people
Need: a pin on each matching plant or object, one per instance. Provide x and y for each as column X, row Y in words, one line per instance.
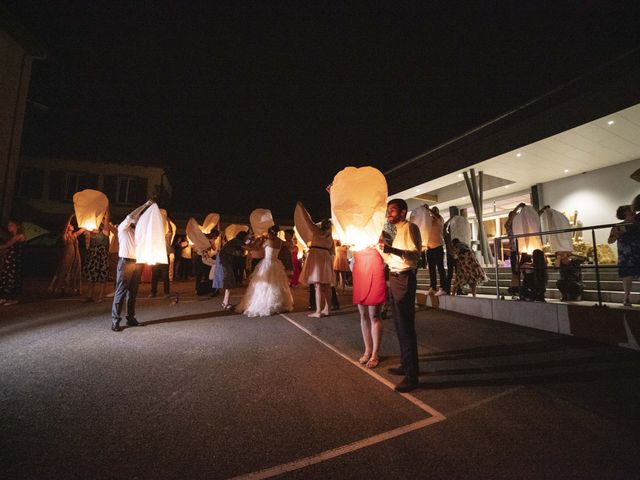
column 271, row 265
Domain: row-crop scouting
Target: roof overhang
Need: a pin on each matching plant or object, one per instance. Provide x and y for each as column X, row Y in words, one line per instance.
column 566, row 129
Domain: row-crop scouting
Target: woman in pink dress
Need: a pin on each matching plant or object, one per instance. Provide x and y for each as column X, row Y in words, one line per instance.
column 369, row 292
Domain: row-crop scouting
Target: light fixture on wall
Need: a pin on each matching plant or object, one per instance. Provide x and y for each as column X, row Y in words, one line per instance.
column 518, row 154
column 610, row 122
column 566, row 170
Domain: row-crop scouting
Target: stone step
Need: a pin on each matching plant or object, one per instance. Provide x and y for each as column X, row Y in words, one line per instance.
column 591, row 295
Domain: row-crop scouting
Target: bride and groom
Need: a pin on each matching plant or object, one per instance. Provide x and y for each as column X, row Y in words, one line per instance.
column 268, row 292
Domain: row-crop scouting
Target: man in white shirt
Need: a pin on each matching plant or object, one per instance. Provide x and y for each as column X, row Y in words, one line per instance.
column 129, row 272
column 402, row 257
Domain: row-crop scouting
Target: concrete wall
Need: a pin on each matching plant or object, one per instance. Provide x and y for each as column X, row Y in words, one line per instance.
column 614, row 326
column 15, row 72
column 595, row 194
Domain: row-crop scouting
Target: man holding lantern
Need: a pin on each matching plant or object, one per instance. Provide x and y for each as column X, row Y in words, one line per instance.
column 402, row 255
column 129, row 272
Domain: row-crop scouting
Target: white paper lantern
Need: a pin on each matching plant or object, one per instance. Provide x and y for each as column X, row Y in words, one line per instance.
column 232, row 230
column 554, row 220
column 90, row 207
column 151, row 246
column 422, row 218
column 210, row 222
column 261, row 220
column 527, row 221
column 196, row 237
column 359, row 205
column 460, row 228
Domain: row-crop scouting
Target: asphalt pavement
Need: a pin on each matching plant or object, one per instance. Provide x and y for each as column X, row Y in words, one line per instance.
column 201, row 393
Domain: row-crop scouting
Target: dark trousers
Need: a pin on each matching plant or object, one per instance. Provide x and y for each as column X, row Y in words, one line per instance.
column 402, row 290
column 451, row 268
column 335, row 304
column 435, row 259
column 127, row 281
column 160, row 271
column 203, row 284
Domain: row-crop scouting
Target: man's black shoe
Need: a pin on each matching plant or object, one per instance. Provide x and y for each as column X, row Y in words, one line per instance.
column 115, row 325
column 132, row 322
column 397, row 371
column 407, row 384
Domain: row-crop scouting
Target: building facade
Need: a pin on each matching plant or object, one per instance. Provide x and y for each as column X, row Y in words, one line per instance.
column 45, row 187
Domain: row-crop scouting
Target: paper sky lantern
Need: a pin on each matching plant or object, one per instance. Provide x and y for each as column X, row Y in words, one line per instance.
column 150, row 237
column 460, row 228
column 358, row 206
column 554, row 220
column 261, row 220
column 210, row 222
column 232, row 230
column 304, row 226
column 527, row 221
column 90, row 207
column 422, row 218
column 196, row 237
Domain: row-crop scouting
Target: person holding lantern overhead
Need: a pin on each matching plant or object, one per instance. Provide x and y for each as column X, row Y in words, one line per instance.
column 129, row 272
column 402, row 257
column 318, row 268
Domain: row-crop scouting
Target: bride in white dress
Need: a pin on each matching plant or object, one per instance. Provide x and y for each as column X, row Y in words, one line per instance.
column 268, row 292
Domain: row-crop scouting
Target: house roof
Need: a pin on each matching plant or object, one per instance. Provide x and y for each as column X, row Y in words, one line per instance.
column 609, row 88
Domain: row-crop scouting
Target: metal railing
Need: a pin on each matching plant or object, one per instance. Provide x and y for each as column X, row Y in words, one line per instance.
column 498, row 246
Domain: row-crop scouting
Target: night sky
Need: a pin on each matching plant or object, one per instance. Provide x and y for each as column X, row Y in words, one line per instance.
column 259, row 104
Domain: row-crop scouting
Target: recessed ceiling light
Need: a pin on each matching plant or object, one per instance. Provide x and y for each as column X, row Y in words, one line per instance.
column 610, row 122
column 506, row 186
column 459, row 175
column 518, row 154
column 417, row 189
column 566, row 170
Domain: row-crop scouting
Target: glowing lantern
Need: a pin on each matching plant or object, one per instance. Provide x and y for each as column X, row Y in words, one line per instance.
column 554, row 220
column 197, row 238
column 358, row 206
column 422, row 218
column 232, row 230
column 90, row 207
column 460, row 228
column 150, row 237
column 261, row 220
column 210, row 222
column 527, row 221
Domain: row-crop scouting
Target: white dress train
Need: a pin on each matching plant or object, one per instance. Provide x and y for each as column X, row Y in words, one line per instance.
column 268, row 292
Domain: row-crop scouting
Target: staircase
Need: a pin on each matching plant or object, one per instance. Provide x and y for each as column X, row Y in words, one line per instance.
column 610, row 284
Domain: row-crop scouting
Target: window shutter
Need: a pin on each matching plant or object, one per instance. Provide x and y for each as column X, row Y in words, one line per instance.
column 141, row 190
column 89, row 180
column 57, row 185
column 110, row 187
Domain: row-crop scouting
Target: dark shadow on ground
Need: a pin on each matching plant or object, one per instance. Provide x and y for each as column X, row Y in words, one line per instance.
column 195, row 316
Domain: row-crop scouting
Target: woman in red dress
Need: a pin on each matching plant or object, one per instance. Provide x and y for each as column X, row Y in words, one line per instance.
column 369, row 290
column 289, row 236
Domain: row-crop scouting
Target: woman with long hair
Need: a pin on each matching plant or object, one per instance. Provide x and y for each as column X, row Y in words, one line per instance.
column 68, row 276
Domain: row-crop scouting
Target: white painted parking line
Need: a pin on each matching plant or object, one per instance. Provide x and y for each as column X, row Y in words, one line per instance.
column 337, row 452
column 434, row 417
column 417, row 402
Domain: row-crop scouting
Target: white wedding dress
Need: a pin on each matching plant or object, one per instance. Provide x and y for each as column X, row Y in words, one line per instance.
column 268, row 292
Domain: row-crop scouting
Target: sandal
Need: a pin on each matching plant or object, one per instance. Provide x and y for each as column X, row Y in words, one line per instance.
column 226, row 306
column 373, row 362
column 364, row 359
